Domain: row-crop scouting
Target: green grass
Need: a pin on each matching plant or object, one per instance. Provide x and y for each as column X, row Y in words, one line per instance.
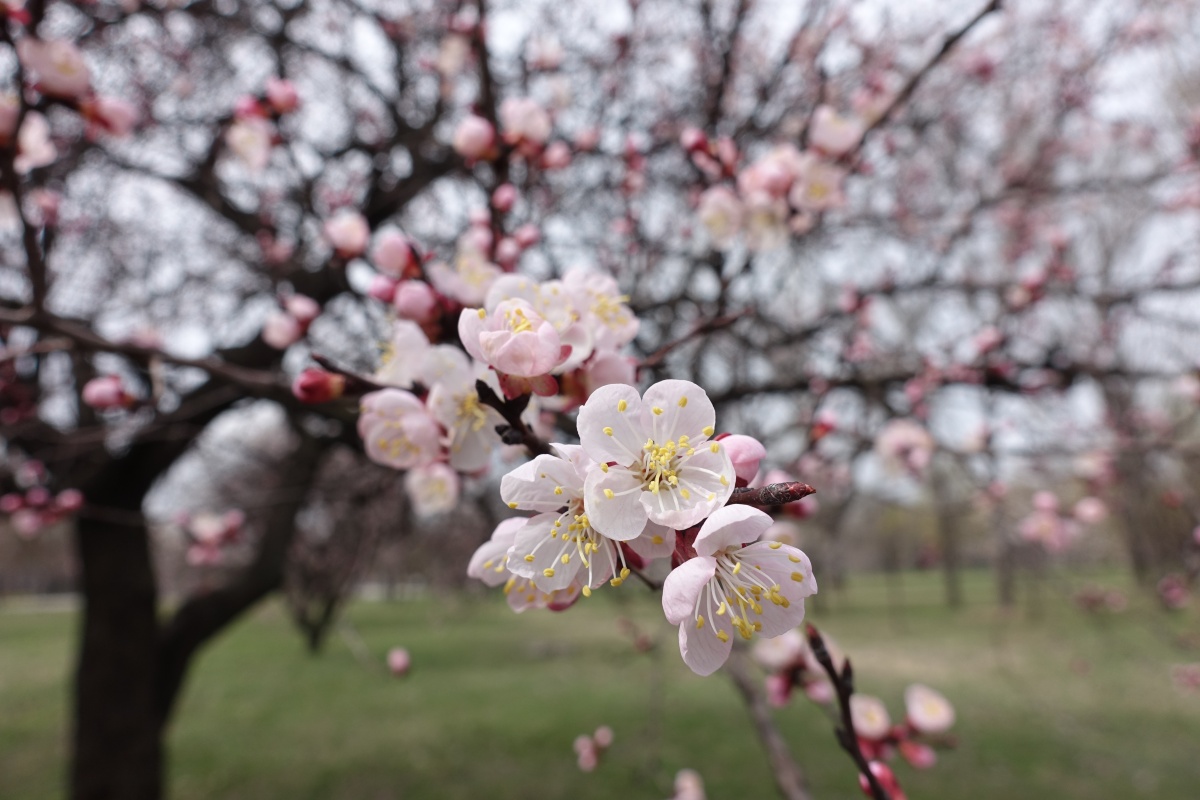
column 1061, row 706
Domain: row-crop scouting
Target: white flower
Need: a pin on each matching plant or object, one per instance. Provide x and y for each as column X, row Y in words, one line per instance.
column 834, row 134
column 870, row 716
column 754, row 588
column 928, row 711
column 604, row 310
column 404, row 357
column 454, row 402
column 560, row 546
column 656, row 459
column 251, row 140
column 556, row 304
column 433, row 489
column 397, row 431
column 468, row 280
column 58, row 65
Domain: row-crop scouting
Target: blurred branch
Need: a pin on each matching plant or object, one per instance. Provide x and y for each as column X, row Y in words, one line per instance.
column 788, row 777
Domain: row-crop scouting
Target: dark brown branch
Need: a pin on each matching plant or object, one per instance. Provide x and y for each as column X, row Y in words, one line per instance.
column 843, row 683
column 515, row 431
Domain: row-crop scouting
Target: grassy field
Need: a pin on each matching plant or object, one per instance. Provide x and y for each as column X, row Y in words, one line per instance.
column 1057, row 705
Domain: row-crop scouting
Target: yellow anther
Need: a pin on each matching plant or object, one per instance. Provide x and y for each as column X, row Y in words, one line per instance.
column 757, row 626
column 566, row 559
column 721, row 609
column 622, row 405
column 529, row 558
column 657, row 411
column 723, row 636
column 604, row 467
column 608, row 493
column 712, row 496
column 512, row 505
column 548, row 572
column 699, row 621
column 797, row 576
column 714, row 447
column 558, row 490
column 624, row 573
column 616, row 581
column 775, row 545
column 737, row 568
column 671, row 479
column 608, row 431
column 794, row 559
column 653, row 486
column 708, row 430
column 488, row 564
column 724, row 480
column 683, row 440
column 509, row 584
column 685, row 494
column 587, row 591
column 656, row 539
column 682, row 402
column 483, row 313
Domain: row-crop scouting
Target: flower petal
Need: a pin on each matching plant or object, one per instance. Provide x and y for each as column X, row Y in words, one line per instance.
column 656, row 541
column 679, row 408
column 620, row 516
column 545, row 484
column 683, row 586
column 730, row 526
column 609, row 433
column 537, row 554
column 702, row 650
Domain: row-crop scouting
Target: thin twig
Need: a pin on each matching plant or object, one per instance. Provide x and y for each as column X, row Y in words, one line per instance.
column 515, row 431
column 843, row 683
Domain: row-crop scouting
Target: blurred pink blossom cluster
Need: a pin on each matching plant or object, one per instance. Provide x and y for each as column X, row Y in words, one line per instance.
column 1054, row 530
column 209, row 534
column 589, row 749
column 35, row 508
column 253, row 134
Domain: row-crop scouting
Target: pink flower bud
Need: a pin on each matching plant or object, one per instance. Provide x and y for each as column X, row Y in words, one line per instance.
column 745, row 452
column 282, row 95
column 504, row 198
column 474, row 138
column 303, row 308
column 921, row 756
column 399, row 662
column 11, row 502
column 693, row 139
column 416, row 300
column 393, row 254
column 587, row 140
column 382, row 288
column 603, row 737
column 105, row 392
column 507, row 252
column 281, row 330
column 69, row 500
column 37, row 497
column 247, row 107
column 527, row 235
column 1045, row 501
column 348, row 232
column 1090, row 510
column 556, row 156
column 318, row 386
column 887, row 779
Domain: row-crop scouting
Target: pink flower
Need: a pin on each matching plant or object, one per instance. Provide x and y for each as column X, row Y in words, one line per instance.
column 399, row 662
column 504, row 198
column 1090, row 511
column 382, row 288
column 110, row 115
column 1045, row 501
column 282, row 95
column 432, row 489
column 348, row 232
column 106, row 392
column 904, row 443
column 921, row 756
column 928, row 711
column 886, row 778
column 393, row 254
column 397, row 431
column 661, row 463
column 605, row 368
column 524, row 122
column 303, row 308
column 281, row 330
column 69, row 500
column 870, row 717
column 318, row 386
column 489, row 563
column 251, row 140
column 416, row 300
column 819, row 188
column 527, row 235
column 833, row 134
column 756, row 588
column 475, row 138
column 745, row 452
column 556, row 156
column 688, row 786
column 603, row 737
column 34, row 148
column 514, row 339
column 720, row 212
column 58, row 66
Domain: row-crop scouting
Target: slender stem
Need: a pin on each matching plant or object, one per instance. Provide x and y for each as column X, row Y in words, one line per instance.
column 843, row 683
column 515, row 431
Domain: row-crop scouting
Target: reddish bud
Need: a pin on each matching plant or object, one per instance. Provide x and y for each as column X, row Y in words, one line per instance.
column 318, row 386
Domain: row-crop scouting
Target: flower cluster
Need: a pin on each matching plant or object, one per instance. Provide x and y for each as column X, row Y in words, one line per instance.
column 1050, row 528
column 36, row 508
column 209, row 534
column 780, row 193
column 588, row 749
column 928, row 718
column 647, row 467
column 252, row 135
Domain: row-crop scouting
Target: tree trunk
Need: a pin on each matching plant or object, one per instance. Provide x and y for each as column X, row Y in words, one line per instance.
column 117, row 739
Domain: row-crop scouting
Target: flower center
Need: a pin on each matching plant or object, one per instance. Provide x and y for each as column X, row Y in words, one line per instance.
column 469, row 410
column 516, row 320
column 578, row 539
column 737, row 589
